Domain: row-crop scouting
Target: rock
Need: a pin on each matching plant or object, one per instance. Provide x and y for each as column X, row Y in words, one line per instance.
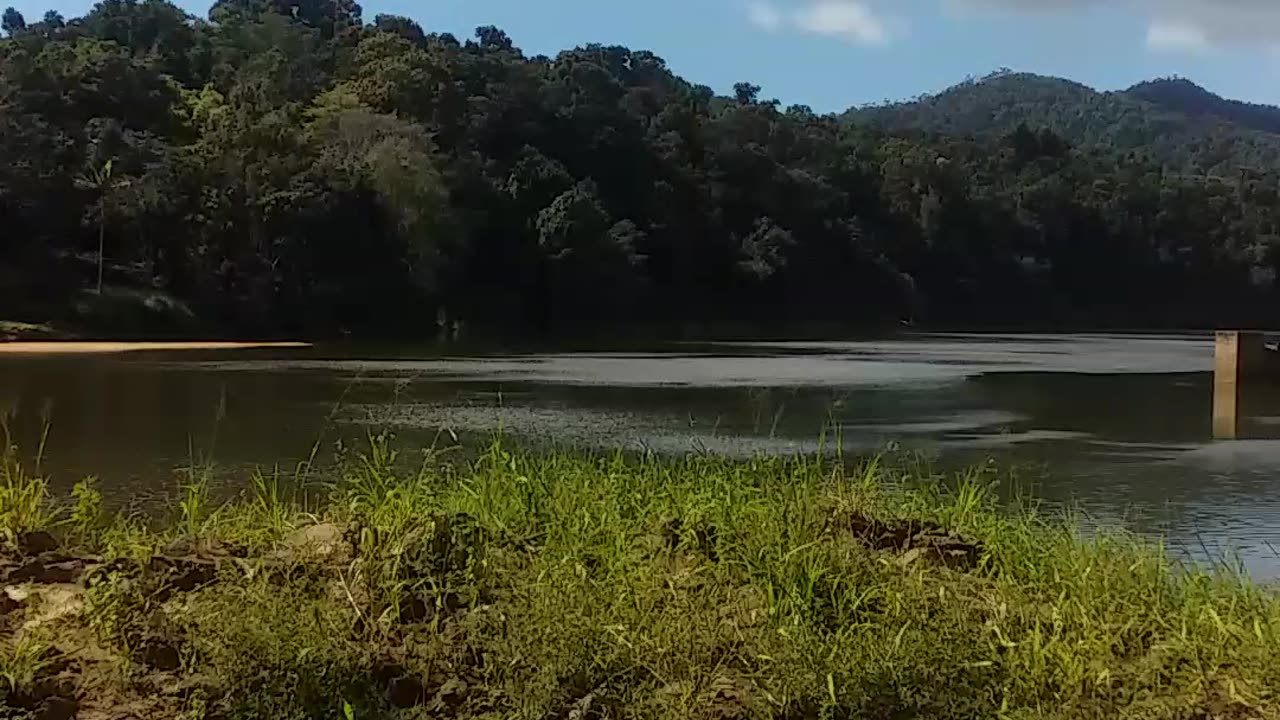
column 406, row 691
column 50, row 697
column 181, row 574
column 50, row 568
column 161, row 656
column 914, row 540
column 414, row 609
column 450, row 695
column 58, row 708
column 200, row 547
column 36, row 543
column 184, row 573
column 325, row 542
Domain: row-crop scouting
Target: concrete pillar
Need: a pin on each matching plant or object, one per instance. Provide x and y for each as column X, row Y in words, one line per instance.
column 1238, row 357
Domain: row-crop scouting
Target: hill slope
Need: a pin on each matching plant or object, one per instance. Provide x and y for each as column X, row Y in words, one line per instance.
column 1173, row 121
column 1183, row 96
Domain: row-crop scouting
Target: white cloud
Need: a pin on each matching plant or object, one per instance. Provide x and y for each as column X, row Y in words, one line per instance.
column 1164, row 35
column 765, row 16
column 853, row 20
column 1226, row 22
column 847, row 19
column 1184, row 25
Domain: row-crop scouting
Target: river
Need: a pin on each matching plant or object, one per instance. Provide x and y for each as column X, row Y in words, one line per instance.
column 1115, row 426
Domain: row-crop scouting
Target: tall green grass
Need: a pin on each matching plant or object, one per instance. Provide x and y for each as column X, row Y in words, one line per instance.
column 24, row 491
column 566, row 585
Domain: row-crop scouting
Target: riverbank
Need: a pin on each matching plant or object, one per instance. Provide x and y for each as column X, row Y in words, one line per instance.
column 14, row 331
column 570, row 586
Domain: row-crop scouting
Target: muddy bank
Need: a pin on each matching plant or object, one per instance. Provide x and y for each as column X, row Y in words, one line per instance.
column 12, row 330
column 83, row 617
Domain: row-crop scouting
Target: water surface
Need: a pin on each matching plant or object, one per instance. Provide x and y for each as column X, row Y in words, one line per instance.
column 1118, row 426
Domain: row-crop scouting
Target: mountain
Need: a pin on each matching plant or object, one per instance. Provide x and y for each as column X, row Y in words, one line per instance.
column 1173, row 121
column 1183, row 96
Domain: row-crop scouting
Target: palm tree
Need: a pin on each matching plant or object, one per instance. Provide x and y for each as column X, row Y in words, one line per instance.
column 100, row 180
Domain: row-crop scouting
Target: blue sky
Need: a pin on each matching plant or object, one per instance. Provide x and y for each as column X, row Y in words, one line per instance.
column 831, row 54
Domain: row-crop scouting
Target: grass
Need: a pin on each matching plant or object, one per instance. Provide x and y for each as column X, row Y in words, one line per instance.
column 23, row 491
column 572, row 586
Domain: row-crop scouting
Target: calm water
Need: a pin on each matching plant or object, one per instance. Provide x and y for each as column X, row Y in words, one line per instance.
column 1117, row 426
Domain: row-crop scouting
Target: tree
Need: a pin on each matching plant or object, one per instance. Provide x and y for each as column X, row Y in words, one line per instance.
column 13, row 22
column 402, row 26
column 152, row 28
column 102, row 181
column 287, row 168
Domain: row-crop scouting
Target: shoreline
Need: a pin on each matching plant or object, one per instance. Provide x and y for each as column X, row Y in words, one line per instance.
column 83, row 347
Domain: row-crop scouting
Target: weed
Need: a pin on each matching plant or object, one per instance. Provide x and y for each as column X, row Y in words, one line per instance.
column 86, row 509
column 268, row 502
column 22, row 657
column 24, row 498
column 194, row 502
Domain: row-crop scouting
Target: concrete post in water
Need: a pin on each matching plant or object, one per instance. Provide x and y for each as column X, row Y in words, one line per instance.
column 1238, row 357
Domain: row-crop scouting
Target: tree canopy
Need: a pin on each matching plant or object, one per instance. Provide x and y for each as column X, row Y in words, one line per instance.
column 293, row 168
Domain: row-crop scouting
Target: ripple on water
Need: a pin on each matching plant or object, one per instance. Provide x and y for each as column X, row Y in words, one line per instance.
column 588, row 428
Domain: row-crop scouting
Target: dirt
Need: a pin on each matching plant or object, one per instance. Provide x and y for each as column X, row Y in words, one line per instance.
column 43, row 583
column 917, row 539
column 1219, row 705
column 730, row 699
column 53, row 695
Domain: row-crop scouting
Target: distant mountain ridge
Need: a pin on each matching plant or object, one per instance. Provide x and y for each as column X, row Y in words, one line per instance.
column 1182, row 95
column 1171, row 120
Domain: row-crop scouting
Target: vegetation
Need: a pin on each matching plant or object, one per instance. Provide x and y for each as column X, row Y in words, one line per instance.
column 1171, row 122
column 290, row 167
column 571, row 586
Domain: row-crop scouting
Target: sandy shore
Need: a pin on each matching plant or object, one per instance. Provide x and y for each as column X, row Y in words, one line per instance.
column 71, row 347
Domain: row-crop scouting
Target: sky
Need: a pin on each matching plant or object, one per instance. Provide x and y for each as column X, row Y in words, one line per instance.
column 833, row 54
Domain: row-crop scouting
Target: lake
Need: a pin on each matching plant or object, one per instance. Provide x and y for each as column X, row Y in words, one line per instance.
column 1117, row 426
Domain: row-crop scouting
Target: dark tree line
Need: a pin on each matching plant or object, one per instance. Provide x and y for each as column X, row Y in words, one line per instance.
column 290, row 167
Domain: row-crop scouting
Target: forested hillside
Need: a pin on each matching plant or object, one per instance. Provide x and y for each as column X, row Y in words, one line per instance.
column 1171, row 121
column 294, row 167
column 1184, row 96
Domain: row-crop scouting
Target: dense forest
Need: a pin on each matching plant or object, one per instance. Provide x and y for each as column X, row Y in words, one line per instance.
column 291, row 167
